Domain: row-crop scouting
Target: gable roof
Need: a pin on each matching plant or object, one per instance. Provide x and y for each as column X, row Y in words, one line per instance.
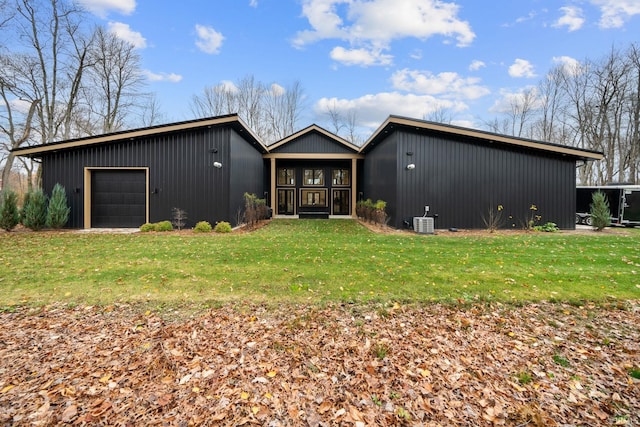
column 394, row 122
column 310, row 129
column 232, row 120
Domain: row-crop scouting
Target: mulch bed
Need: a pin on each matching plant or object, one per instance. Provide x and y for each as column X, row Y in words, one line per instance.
column 539, row 364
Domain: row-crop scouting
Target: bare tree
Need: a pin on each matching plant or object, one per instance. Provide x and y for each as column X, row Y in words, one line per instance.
column 344, row 123
column 114, row 81
column 152, row 113
column 634, row 115
column 61, row 75
column 593, row 105
column 335, row 118
column 440, row 115
column 215, row 101
column 271, row 111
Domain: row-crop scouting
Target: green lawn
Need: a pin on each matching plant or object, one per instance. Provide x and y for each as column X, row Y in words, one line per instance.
column 316, row 261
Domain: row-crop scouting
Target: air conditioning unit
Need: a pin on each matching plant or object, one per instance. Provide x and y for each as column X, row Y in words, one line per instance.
column 423, row 224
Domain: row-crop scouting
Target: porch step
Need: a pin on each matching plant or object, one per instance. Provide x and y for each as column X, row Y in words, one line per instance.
column 313, row 215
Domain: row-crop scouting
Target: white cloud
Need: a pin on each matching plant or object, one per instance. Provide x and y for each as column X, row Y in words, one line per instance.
column 17, row 105
column 521, row 68
column 162, row 77
column 570, row 65
column 362, row 57
column 103, row 7
column 476, row 65
column 228, row 86
column 616, row 12
column 209, row 40
column 508, row 100
column 372, row 25
column 371, row 110
column 447, row 84
column 124, row 32
column 277, row 90
column 253, row 3
column 572, row 18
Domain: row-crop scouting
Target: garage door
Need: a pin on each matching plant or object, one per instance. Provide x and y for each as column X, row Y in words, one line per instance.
column 118, row 198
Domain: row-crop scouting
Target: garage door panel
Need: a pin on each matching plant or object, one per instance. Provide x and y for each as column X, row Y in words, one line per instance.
column 118, row 198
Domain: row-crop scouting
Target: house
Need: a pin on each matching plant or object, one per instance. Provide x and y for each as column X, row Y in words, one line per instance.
column 205, row 166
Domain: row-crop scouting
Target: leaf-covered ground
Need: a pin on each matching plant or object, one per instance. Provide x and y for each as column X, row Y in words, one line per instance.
column 540, row 364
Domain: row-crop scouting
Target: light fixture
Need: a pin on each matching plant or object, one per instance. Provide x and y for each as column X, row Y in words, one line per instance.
column 411, row 166
column 217, row 165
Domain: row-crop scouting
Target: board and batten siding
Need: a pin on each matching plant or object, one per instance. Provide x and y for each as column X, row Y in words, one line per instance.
column 313, row 142
column 461, row 180
column 181, row 172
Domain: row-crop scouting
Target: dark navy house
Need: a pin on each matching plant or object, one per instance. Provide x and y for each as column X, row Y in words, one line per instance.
column 205, row 166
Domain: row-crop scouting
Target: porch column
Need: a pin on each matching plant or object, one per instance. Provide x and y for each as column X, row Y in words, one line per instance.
column 354, row 186
column 274, row 208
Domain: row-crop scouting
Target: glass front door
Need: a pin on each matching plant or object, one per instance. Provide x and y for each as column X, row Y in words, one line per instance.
column 286, row 201
column 341, row 203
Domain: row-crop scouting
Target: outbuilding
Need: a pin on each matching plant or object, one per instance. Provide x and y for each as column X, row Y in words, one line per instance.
column 204, row 167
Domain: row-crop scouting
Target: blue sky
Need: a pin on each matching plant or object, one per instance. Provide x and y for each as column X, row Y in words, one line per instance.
column 379, row 57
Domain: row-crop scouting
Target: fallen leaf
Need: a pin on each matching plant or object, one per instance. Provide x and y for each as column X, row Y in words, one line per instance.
column 69, row 414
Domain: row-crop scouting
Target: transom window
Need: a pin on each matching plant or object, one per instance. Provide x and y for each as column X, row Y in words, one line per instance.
column 341, row 177
column 313, row 177
column 286, row 176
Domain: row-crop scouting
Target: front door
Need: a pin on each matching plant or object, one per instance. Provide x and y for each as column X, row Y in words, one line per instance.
column 286, row 201
column 341, row 202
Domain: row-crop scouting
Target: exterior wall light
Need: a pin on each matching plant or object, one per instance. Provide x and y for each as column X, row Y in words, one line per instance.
column 217, row 165
column 411, row 166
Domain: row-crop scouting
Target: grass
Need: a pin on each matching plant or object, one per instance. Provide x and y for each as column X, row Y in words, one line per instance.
column 315, row 261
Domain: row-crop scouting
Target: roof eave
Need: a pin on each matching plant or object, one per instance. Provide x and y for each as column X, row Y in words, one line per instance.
column 231, row 119
column 388, row 125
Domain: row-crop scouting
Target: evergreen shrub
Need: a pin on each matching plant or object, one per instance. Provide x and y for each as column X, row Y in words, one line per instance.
column 9, row 214
column 35, row 211
column 58, row 212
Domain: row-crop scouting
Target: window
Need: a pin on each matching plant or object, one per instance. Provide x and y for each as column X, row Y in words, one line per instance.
column 316, row 198
column 313, row 177
column 286, row 176
column 341, row 177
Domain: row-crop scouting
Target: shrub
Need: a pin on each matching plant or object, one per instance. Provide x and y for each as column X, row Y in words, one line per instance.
column 163, row 226
column 600, row 214
column 35, row 211
column 548, row 227
column 222, row 227
column 202, row 227
column 379, row 214
column 145, row 228
column 365, row 209
column 58, row 212
column 9, row 215
column 25, row 202
column 493, row 220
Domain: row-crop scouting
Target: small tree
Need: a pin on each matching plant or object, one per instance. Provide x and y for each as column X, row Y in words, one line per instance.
column 58, row 212
column 35, row 211
column 600, row 214
column 9, row 215
column 178, row 218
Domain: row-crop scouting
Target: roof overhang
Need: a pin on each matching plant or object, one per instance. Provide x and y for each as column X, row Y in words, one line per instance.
column 231, row 120
column 394, row 122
